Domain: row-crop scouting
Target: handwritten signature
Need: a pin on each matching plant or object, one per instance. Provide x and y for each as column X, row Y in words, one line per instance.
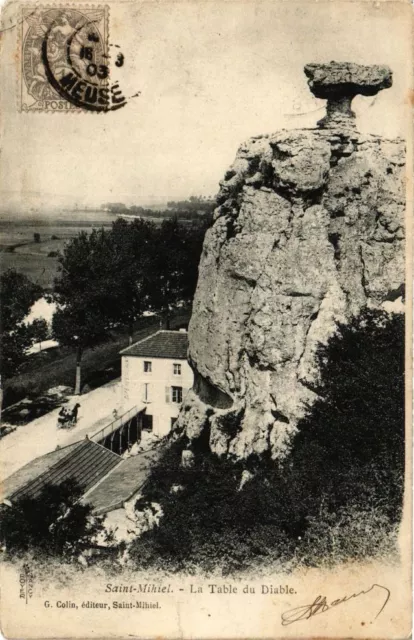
column 320, row 605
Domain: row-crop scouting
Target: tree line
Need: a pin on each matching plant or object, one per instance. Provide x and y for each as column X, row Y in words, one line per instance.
column 191, row 209
column 106, row 279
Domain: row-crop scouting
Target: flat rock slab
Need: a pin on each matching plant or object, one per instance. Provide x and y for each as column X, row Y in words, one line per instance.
column 337, row 79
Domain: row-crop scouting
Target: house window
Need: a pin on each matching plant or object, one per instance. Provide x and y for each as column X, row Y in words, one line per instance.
column 147, row 424
column 176, row 369
column 146, row 392
column 177, row 394
column 147, row 366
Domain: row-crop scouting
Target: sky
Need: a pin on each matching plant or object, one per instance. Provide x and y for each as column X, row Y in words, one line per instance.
column 210, row 75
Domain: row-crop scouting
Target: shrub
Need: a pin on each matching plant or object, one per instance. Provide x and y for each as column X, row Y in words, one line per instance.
column 350, row 446
column 351, row 533
column 54, row 524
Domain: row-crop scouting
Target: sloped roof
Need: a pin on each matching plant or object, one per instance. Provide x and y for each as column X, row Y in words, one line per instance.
column 123, row 482
column 163, row 344
column 86, row 462
column 33, row 469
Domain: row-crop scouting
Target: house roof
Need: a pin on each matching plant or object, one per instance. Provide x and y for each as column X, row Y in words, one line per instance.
column 33, row 469
column 163, row 344
column 86, row 462
column 122, row 482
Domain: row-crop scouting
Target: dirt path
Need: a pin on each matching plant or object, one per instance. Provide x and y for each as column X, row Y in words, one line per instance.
column 42, row 435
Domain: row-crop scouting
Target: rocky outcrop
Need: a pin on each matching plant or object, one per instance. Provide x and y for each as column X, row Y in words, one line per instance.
column 308, row 230
column 340, row 82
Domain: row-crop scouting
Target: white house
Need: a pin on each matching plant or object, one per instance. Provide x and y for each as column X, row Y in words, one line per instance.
column 155, row 372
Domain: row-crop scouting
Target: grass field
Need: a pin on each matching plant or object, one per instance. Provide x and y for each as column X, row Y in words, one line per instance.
column 18, row 249
column 40, row 269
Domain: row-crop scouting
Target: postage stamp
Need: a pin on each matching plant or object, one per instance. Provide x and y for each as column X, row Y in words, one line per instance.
column 65, row 60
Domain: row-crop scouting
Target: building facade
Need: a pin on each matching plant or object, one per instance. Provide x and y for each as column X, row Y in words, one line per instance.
column 155, row 372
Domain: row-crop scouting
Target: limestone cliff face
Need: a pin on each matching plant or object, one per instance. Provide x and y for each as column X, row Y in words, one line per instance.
column 309, row 229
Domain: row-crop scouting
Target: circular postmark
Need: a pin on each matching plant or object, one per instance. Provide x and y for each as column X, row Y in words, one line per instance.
column 66, row 59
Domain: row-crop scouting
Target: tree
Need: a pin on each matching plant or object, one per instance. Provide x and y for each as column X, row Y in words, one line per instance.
column 133, row 245
column 350, row 446
column 135, row 209
column 18, row 294
column 115, row 207
column 53, row 524
column 84, row 294
column 195, row 204
column 194, row 244
column 174, row 266
column 40, row 330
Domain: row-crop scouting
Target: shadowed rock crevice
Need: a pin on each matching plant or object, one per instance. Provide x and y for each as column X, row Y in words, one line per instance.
column 394, row 294
column 210, row 394
column 334, row 239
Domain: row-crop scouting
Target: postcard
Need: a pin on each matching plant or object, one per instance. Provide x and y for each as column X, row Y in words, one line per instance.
column 206, row 312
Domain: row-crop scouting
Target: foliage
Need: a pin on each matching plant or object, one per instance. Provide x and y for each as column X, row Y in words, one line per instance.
column 18, row 294
column 209, row 522
column 337, row 497
column 133, row 246
column 80, row 290
column 40, row 330
column 192, row 209
column 111, row 277
column 53, row 524
column 168, row 267
column 193, row 204
column 353, row 532
column 356, row 427
column 83, row 290
column 156, row 267
column 84, row 293
column 13, row 350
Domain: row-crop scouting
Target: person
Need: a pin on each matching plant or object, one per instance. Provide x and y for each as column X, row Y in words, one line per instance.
column 62, row 416
column 74, row 414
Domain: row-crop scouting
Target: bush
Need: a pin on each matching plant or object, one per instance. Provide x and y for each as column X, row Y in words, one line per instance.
column 210, row 522
column 352, row 533
column 17, row 294
column 54, row 524
column 350, row 447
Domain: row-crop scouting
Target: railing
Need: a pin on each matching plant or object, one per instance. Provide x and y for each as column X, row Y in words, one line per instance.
column 116, row 424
